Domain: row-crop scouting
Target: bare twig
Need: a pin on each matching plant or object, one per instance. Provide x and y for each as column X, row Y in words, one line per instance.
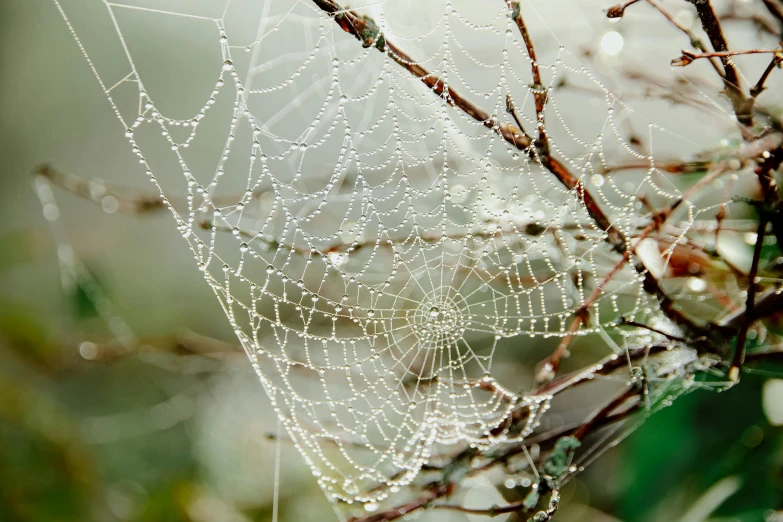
column 742, row 334
column 360, row 26
column 695, row 41
column 743, row 106
column 97, row 192
column 776, row 61
column 431, row 494
column 618, row 10
column 776, row 10
column 689, row 57
column 605, row 412
column 539, row 91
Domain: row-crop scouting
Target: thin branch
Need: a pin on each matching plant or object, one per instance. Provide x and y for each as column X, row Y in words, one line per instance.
column 362, row 26
column 742, row 334
column 512, row 110
column 432, row 493
column 689, row 57
column 776, row 10
column 765, row 354
column 628, row 322
column 514, row 507
column 776, row 61
column 134, row 203
column 632, row 391
column 98, row 191
column 618, row 10
column 761, row 22
column 547, row 369
column 695, row 41
column 539, row 91
column 743, row 106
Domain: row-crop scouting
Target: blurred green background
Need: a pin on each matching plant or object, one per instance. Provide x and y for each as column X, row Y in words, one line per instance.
column 178, row 429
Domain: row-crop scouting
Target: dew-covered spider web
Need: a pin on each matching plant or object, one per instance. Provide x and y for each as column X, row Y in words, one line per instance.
column 374, row 245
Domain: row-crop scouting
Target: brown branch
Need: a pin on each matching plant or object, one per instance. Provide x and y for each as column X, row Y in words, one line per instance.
column 742, row 334
column 673, row 167
column 135, row 203
column 761, row 22
column 366, row 31
column 768, row 211
column 743, row 106
column 98, row 191
column 689, row 57
column 514, row 507
column 632, row 391
column 776, row 10
column 764, row 172
column 360, row 26
column 539, row 91
column 694, row 40
column 547, row 369
column 432, row 493
column 765, row 354
column 628, row 322
column 512, row 110
column 618, row 10
column 776, row 61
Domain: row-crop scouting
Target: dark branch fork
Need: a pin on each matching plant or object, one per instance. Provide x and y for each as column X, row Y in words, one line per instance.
column 769, row 210
column 743, row 105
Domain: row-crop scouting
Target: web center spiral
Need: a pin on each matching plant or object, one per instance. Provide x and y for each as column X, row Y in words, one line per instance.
column 440, row 319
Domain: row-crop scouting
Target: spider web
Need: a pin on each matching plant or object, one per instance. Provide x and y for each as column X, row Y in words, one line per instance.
column 373, row 247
